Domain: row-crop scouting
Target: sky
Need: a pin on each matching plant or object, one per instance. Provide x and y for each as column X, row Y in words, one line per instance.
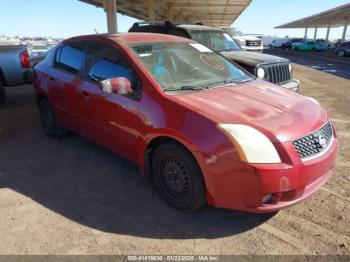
column 65, row 18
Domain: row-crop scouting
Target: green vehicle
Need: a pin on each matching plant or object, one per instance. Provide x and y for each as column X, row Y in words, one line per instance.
column 309, row 46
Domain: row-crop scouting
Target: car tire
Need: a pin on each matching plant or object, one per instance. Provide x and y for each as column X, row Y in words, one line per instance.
column 178, row 177
column 2, row 94
column 341, row 53
column 49, row 121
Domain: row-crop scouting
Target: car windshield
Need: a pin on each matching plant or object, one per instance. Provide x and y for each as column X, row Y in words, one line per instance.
column 187, row 66
column 233, row 31
column 217, row 40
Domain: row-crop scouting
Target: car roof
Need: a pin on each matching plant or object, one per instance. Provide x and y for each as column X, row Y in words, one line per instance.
column 198, row 27
column 130, row 38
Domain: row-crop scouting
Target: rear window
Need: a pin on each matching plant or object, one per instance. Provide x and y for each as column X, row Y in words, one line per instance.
column 70, row 57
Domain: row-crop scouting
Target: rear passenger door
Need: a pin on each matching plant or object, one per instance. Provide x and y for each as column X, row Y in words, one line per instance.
column 64, row 80
column 110, row 119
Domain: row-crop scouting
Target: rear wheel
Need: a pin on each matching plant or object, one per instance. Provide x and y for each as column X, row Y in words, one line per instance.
column 178, row 177
column 2, row 94
column 49, row 121
column 341, row 53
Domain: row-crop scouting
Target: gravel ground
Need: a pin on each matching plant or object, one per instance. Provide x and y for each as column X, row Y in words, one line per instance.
column 71, row 196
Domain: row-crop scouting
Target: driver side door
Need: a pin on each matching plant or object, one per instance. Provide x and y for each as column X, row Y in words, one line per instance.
column 111, row 120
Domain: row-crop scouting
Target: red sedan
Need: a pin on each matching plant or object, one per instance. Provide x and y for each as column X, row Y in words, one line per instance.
column 200, row 127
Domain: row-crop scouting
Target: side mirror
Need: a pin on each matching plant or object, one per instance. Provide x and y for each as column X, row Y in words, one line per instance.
column 117, row 85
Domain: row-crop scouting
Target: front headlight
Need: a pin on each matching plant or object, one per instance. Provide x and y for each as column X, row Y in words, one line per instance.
column 252, row 145
column 260, row 73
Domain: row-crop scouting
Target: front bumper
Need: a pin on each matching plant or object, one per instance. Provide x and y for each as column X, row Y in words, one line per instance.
column 292, row 85
column 241, row 186
column 253, row 48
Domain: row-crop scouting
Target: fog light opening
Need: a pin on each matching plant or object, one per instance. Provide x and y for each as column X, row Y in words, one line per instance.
column 267, row 199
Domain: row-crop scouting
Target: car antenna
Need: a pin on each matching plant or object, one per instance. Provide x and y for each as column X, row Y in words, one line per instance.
column 96, row 31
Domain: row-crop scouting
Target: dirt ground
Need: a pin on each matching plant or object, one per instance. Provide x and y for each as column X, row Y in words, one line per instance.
column 71, row 196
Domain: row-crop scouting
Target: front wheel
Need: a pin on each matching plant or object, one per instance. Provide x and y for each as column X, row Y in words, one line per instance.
column 341, row 53
column 178, row 177
column 2, row 94
column 49, row 121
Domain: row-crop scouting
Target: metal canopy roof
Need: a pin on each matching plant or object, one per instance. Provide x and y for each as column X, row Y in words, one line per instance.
column 335, row 17
column 208, row 12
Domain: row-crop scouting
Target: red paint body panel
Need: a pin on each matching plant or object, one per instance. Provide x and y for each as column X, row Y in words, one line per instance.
column 128, row 126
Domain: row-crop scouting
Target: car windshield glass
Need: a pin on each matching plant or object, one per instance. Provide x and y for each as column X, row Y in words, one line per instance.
column 187, row 66
column 233, row 31
column 217, row 40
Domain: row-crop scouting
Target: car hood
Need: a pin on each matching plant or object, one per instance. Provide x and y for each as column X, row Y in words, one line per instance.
column 253, row 58
column 280, row 114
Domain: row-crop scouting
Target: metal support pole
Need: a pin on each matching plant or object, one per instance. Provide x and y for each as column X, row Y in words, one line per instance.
column 110, row 7
column 170, row 12
column 315, row 34
column 344, row 31
column 305, row 35
column 327, row 34
column 151, row 10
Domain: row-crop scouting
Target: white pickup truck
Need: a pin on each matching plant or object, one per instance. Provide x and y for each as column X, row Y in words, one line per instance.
column 246, row 42
column 14, row 67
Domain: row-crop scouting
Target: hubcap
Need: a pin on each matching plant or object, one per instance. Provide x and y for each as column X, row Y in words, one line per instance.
column 175, row 177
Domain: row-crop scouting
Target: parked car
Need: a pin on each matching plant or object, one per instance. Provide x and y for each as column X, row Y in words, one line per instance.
column 37, row 49
column 288, row 45
column 277, row 43
column 326, row 43
column 309, row 46
column 270, row 68
column 343, row 49
column 246, row 42
column 201, row 128
column 14, row 67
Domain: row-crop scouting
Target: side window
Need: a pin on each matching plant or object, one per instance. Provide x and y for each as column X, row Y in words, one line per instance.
column 70, row 57
column 104, row 62
column 178, row 32
column 201, row 38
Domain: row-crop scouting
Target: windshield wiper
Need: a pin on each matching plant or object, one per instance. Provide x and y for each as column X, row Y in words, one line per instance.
column 193, row 87
column 233, row 81
column 185, row 88
column 226, row 50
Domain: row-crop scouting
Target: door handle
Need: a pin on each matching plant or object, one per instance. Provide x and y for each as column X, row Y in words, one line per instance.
column 86, row 96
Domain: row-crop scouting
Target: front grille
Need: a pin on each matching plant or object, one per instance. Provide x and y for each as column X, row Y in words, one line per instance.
column 253, row 43
column 314, row 143
column 277, row 73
